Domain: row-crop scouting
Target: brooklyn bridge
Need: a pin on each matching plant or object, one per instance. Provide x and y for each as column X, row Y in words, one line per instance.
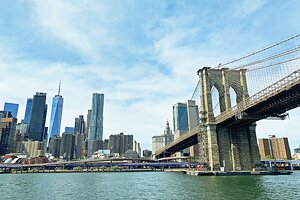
column 265, row 85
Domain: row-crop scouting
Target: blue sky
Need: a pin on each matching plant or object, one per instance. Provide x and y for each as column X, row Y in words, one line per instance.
column 143, row 55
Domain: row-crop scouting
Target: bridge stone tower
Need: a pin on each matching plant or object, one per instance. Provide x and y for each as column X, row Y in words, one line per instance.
column 233, row 147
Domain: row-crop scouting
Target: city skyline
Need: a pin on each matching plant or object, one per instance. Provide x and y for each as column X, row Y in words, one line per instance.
column 143, row 57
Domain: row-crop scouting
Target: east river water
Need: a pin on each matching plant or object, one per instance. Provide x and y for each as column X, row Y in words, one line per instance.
column 147, row 185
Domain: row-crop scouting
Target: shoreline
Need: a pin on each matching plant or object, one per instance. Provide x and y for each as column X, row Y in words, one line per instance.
column 184, row 171
column 80, row 171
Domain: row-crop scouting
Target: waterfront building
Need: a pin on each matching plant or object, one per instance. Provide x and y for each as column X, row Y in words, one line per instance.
column 7, row 132
column 162, row 140
column 120, row 143
column 101, row 154
column 32, row 148
column 56, row 114
column 28, row 111
column 274, row 148
column 67, row 146
column 96, row 123
column 38, row 117
column 11, row 107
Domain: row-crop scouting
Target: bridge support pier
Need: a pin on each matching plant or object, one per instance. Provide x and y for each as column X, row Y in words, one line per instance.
column 234, row 148
column 209, row 148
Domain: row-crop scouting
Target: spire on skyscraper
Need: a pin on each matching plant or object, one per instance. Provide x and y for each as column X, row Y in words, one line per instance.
column 59, row 87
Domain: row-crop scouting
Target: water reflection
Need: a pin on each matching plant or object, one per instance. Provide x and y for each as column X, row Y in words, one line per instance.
column 148, row 185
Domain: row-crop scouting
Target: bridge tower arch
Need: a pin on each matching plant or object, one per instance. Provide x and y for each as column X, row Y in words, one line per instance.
column 232, row 147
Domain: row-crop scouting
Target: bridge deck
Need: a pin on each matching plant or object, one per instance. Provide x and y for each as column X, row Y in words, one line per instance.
column 277, row 95
column 276, row 99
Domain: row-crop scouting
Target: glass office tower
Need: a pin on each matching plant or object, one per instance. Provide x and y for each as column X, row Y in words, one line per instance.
column 28, row 111
column 11, row 107
column 56, row 113
column 37, row 117
column 180, row 117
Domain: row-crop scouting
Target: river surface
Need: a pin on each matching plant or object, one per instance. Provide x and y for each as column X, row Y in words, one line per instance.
column 147, row 185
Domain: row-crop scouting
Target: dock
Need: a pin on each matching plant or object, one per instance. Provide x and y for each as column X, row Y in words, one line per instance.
column 235, row 173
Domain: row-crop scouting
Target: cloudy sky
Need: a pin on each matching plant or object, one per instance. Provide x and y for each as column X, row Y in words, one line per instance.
column 143, row 55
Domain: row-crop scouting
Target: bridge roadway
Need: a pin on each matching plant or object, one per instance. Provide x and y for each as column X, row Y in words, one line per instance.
column 83, row 163
column 272, row 102
column 143, row 163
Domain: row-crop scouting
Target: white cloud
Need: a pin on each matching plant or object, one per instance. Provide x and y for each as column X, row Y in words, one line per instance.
column 247, row 7
column 76, row 24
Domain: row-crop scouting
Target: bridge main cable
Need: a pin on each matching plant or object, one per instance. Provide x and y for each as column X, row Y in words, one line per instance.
column 261, row 50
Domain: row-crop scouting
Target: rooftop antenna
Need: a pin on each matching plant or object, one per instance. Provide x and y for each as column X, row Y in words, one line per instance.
column 59, row 87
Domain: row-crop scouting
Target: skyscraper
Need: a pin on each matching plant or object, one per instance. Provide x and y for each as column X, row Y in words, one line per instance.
column 185, row 118
column 180, row 117
column 96, row 123
column 79, row 124
column 193, row 122
column 11, row 107
column 137, row 148
column 7, row 132
column 37, row 117
column 56, row 113
column 28, row 111
column 88, row 119
column 79, row 135
column 193, row 114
